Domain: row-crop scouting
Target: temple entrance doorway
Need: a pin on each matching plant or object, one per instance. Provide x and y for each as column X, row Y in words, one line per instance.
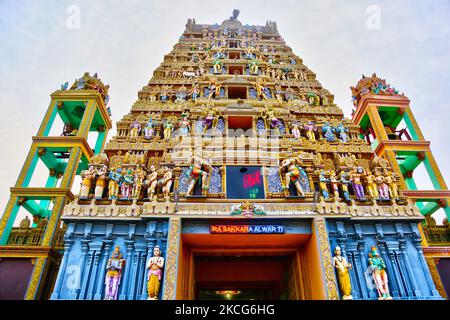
column 250, row 267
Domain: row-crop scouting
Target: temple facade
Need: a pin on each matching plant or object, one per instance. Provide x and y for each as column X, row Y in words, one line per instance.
column 236, row 176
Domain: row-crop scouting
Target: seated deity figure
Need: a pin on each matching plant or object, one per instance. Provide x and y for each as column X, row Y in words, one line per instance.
column 135, row 130
column 342, row 267
column 294, row 174
column 149, row 129
column 114, row 269
column 181, row 94
column 87, row 176
column 155, row 267
column 100, row 184
column 379, row 274
column 195, row 172
column 166, row 182
column 323, row 184
column 138, row 181
column 356, row 179
column 341, row 132
column 115, row 180
column 184, row 124
column 371, row 185
column 289, row 94
column 328, row 132
column 168, row 128
column 392, row 183
column 310, row 130
column 344, row 182
column 150, row 182
column 127, row 184
column 383, row 188
column 295, row 129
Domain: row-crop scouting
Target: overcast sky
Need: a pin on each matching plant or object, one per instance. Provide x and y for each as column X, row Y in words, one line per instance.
column 41, row 46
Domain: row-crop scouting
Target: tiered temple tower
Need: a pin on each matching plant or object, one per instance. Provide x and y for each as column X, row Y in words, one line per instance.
column 382, row 112
column 30, row 254
column 235, row 175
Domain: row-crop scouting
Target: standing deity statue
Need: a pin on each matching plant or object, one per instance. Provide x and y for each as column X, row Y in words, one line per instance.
column 149, row 129
column 166, row 182
column 168, row 128
column 371, row 185
column 259, row 87
column 115, row 180
column 150, row 182
column 155, row 267
column 135, row 130
column 254, row 67
column 272, row 120
column 294, row 174
column 341, row 132
column 344, row 182
column 87, row 176
column 214, row 89
column 101, row 182
column 185, row 124
column 195, row 172
column 310, row 130
column 334, row 184
column 328, row 132
column 379, row 274
column 356, row 179
column 195, row 92
column 391, row 181
column 289, row 94
column 114, row 269
column 217, row 66
column 278, row 93
column 383, row 188
column 295, row 129
column 323, row 184
column 137, row 184
column 127, row 185
column 210, row 119
column 342, row 267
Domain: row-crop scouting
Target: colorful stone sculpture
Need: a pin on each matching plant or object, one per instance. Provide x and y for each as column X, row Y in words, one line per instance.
column 342, row 268
column 114, row 269
column 155, row 267
column 379, row 274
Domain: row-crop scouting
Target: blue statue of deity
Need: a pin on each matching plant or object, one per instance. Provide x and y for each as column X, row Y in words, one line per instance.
column 345, row 182
column 293, row 61
column 341, row 132
column 328, row 132
column 64, row 86
column 149, row 129
column 323, row 184
column 81, row 84
column 115, row 181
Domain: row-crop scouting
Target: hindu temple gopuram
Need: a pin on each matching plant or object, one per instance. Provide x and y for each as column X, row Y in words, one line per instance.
column 233, row 176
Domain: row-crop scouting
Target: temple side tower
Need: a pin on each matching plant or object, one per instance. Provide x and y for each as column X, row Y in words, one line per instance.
column 382, row 112
column 82, row 108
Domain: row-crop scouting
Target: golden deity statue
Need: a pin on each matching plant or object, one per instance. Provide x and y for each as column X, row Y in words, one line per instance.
column 155, row 267
column 342, row 267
